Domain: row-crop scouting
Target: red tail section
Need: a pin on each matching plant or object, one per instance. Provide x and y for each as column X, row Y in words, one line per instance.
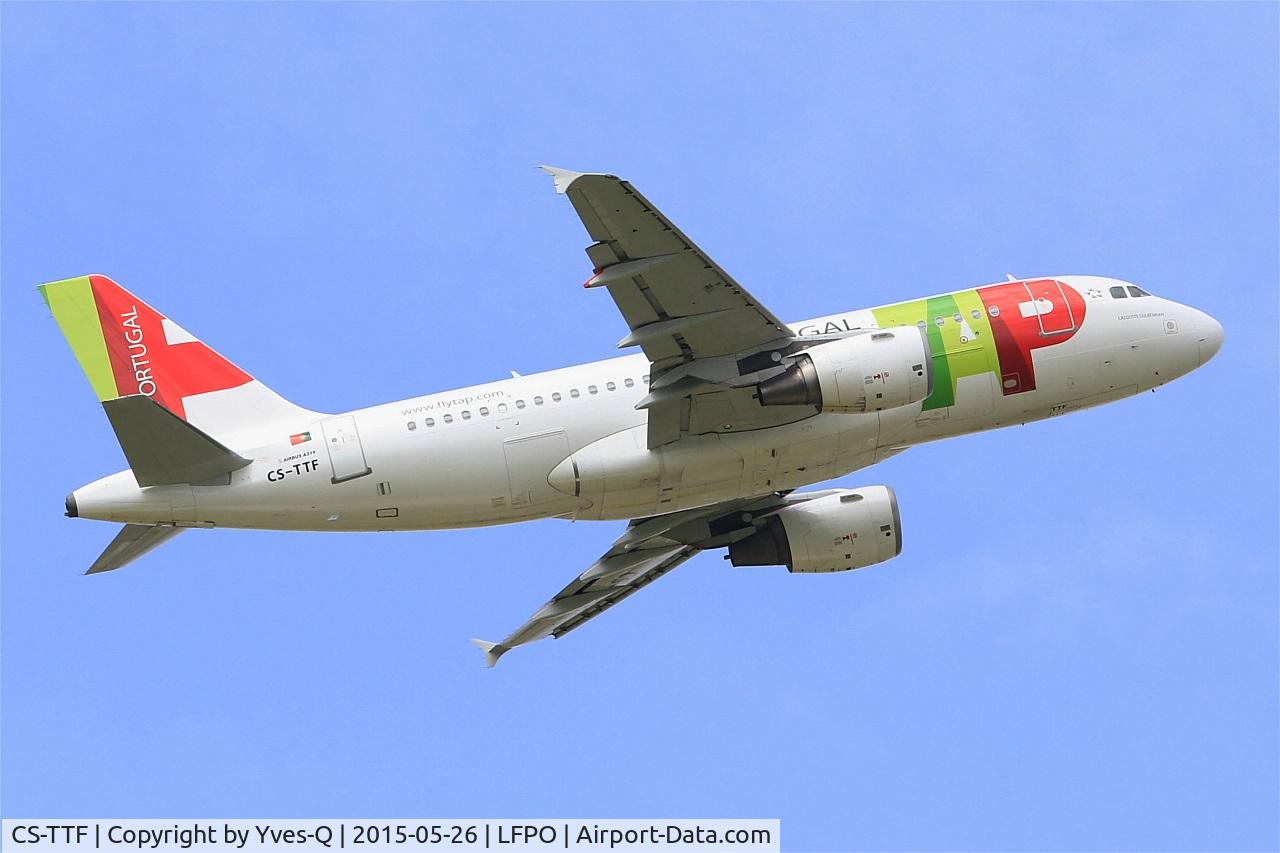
column 128, row 348
column 152, row 355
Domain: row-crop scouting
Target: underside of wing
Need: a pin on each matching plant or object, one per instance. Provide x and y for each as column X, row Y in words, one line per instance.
column 648, row 549
column 609, row 580
column 701, row 330
column 677, row 302
column 130, row 543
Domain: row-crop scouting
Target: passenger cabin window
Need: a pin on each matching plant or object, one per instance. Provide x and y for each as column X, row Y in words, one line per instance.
column 412, row 426
column 1137, row 291
column 484, row 411
column 466, row 414
column 611, row 386
column 519, row 404
column 1118, row 293
column 502, row 407
column 591, row 389
column 430, row 422
column 645, row 379
column 573, row 392
column 537, row 401
column 555, row 397
column 448, row 419
column 630, row 383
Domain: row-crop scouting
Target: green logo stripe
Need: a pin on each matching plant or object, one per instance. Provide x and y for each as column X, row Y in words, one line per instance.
column 960, row 339
column 73, row 306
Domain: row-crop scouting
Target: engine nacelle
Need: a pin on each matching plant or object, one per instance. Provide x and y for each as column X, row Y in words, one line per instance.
column 865, row 373
column 835, row 533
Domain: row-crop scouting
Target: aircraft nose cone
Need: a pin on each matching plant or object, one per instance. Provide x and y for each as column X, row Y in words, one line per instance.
column 1210, row 335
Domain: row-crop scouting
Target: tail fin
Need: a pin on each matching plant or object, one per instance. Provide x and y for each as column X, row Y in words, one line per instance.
column 126, row 347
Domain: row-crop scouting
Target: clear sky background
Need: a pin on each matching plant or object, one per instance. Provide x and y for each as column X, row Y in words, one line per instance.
column 1078, row 645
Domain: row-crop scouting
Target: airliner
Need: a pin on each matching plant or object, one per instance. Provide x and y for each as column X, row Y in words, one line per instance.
column 701, row 440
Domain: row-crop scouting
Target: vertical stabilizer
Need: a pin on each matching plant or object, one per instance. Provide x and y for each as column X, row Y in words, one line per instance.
column 126, row 347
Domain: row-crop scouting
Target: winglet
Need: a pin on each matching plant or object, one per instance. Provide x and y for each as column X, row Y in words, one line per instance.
column 562, row 177
column 492, row 651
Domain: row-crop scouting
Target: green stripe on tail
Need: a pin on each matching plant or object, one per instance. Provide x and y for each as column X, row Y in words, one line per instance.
column 73, row 306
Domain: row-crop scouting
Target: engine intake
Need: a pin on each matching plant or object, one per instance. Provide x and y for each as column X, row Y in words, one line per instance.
column 834, row 533
column 865, row 373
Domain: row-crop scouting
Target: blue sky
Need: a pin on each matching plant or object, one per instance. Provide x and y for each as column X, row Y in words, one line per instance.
column 1077, row 648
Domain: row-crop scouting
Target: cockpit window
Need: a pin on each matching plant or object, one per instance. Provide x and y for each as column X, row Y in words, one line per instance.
column 1118, row 293
column 1137, row 291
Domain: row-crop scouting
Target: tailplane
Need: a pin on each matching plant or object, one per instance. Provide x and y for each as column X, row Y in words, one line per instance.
column 130, row 543
column 164, row 450
column 127, row 348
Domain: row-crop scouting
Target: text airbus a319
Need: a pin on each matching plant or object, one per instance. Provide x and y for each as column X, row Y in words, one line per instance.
column 699, row 442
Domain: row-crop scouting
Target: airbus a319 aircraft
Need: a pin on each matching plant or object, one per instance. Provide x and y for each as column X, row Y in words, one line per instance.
column 700, row 441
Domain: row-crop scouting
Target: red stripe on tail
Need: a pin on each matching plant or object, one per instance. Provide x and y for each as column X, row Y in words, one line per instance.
column 143, row 360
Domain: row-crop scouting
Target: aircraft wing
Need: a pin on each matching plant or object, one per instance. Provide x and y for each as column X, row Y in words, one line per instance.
column 648, row 549
column 687, row 314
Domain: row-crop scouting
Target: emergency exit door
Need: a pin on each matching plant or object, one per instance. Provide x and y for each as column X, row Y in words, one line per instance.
column 346, row 454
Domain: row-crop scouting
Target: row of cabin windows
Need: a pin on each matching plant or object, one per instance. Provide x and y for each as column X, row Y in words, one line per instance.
column 975, row 314
column 556, row 397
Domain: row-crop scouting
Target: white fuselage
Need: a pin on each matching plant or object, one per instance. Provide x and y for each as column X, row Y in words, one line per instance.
column 503, row 451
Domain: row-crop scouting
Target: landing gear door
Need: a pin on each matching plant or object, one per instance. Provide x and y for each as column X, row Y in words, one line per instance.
column 346, row 454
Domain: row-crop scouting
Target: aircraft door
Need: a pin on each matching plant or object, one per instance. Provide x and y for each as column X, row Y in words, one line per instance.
column 346, row 453
column 530, row 460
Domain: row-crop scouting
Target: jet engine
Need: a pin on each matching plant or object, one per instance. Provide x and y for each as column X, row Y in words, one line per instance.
column 865, row 373
column 852, row 529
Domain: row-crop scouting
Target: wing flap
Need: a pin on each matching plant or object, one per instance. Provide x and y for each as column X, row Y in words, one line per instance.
column 666, row 563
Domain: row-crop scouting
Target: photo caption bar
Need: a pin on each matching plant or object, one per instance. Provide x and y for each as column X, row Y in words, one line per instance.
column 130, row 836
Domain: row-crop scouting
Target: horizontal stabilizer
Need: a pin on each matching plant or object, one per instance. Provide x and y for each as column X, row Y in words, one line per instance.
column 492, row 651
column 163, row 449
column 130, row 543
